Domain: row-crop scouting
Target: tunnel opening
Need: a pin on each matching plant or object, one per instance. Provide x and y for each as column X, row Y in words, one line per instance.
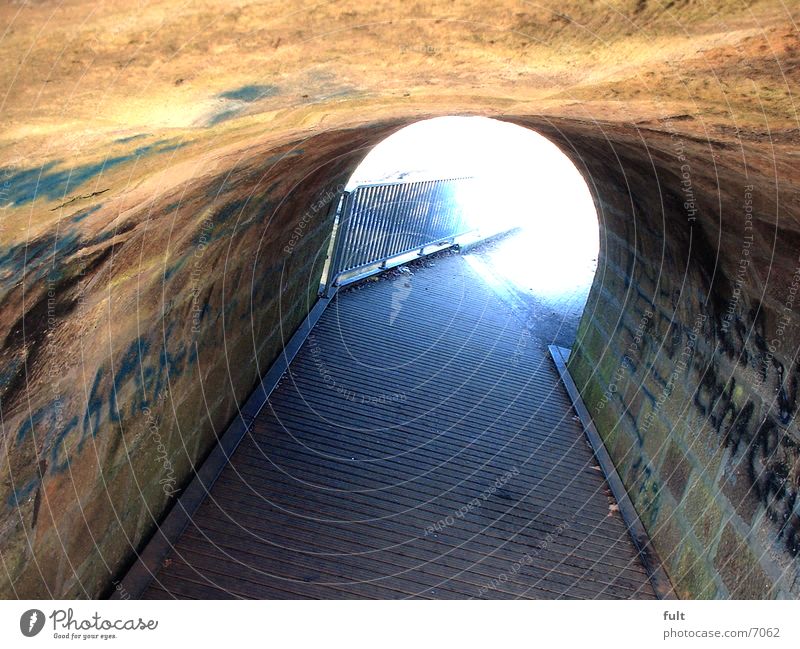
column 141, row 306
column 459, row 180
column 417, row 403
column 703, row 455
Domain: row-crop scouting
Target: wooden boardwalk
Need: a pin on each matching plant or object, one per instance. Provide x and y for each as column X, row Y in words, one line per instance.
column 420, row 446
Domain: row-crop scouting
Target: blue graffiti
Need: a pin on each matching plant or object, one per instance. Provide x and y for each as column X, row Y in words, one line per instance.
column 250, row 93
column 47, row 181
column 20, row 494
column 224, row 116
column 131, row 138
column 46, row 421
column 31, row 256
column 58, row 465
column 93, row 413
column 170, row 272
column 247, row 94
column 128, row 364
column 82, row 214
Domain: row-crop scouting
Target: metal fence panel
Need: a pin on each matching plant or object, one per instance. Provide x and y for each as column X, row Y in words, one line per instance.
column 382, row 221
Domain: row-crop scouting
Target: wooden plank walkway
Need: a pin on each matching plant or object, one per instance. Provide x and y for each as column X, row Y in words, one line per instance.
column 420, row 446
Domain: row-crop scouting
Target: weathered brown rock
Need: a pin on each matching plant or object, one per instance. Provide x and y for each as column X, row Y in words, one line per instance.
column 157, row 159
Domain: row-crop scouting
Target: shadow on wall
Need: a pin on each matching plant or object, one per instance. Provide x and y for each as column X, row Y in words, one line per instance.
column 135, row 347
column 673, row 361
column 155, row 333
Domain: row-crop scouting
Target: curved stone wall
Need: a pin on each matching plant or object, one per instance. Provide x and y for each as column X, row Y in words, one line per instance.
column 165, row 174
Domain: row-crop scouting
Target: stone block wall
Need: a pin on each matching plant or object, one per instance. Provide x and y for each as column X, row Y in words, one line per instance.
column 687, row 358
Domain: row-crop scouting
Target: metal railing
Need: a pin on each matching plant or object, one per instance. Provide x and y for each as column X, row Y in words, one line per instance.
column 383, row 221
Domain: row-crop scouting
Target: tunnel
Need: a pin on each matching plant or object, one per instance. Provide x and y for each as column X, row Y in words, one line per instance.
column 166, row 184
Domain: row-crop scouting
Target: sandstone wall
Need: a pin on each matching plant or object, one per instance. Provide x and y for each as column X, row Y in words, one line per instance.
column 164, row 177
column 687, row 360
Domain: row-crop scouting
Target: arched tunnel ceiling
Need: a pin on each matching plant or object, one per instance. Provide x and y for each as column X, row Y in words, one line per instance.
column 186, row 87
column 127, row 126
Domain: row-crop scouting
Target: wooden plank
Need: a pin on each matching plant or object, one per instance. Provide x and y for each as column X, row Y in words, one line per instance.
column 650, row 559
column 149, row 560
column 334, row 498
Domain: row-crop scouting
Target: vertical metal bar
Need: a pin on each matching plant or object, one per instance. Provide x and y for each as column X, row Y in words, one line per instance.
column 409, row 226
column 469, row 186
column 437, row 223
column 360, row 215
column 348, row 232
column 392, row 242
column 368, row 231
column 381, row 221
column 454, row 208
column 402, row 227
column 459, row 191
column 377, row 224
column 338, row 246
column 433, row 221
column 451, row 209
column 356, row 227
column 424, row 215
column 333, row 217
column 395, row 243
column 388, row 224
column 403, row 239
column 448, row 228
column 448, row 209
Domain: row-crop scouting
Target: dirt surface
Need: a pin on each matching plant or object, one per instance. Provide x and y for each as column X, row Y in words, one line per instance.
column 157, row 155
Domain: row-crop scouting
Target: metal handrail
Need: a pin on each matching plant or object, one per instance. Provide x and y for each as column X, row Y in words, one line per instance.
column 382, row 221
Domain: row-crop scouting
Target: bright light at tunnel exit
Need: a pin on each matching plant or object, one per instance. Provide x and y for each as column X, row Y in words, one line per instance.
column 522, row 180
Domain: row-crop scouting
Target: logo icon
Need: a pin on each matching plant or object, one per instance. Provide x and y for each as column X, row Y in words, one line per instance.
column 31, row 622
